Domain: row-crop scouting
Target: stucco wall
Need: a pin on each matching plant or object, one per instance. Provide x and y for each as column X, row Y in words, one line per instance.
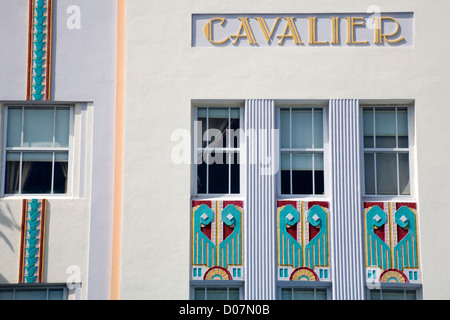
column 164, row 74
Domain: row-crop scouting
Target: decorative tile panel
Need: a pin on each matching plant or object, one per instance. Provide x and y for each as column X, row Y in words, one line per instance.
column 303, row 248
column 217, row 240
column 392, row 253
column 32, row 241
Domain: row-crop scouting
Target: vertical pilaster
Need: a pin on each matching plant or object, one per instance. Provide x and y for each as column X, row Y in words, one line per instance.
column 346, row 209
column 261, row 148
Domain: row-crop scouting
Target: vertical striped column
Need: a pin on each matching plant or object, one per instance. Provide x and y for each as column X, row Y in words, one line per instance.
column 346, row 209
column 261, row 148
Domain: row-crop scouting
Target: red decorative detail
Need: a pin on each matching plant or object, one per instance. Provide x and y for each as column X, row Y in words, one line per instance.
column 313, row 231
column 207, row 230
column 227, row 230
column 396, row 271
column 320, row 203
column 281, row 203
column 310, row 271
column 196, row 203
column 401, row 233
column 218, row 270
column 380, row 232
column 237, row 203
column 373, row 204
column 292, row 231
column 411, row 205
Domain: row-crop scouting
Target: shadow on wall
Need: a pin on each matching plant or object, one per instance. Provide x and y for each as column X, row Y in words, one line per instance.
column 7, row 222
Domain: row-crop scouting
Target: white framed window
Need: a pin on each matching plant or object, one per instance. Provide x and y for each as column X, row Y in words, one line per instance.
column 301, row 151
column 215, row 292
column 37, row 150
column 34, row 292
column 394, row 294
column 387, row 150
column 217, row 146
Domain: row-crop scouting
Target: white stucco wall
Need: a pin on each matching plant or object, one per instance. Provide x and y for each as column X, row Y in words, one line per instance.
column 164, row 74
column 84, row 61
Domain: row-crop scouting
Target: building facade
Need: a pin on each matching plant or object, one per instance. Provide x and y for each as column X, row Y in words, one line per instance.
column 208, row 150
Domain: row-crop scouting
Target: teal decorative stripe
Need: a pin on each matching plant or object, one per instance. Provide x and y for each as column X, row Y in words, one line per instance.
column 39, row 64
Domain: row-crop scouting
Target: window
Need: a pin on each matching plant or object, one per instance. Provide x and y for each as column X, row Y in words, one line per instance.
column 33, row 293
column 37, row 150
column 393, row 294
column 216, row 293
column 303, row 293
column 217, row 148
column 302, row 151
column 386, row 151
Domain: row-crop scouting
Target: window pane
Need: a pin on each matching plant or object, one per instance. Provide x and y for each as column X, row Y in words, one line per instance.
column 199, row 294
column 368, row 127
column 286, row 294
column 14, row 134
column 55, row 294
column 62, row 127
column 285, row 173
column 36, row 172
column 235, row 169
column 38, row 294
column 38, row 127
column 218, row 172
column 201, row 175
column 369, row 173
column 233, row 294
column 235, row 126
column 318, row 174
column 321, row 294
column 6, row 295
column 403, row 173
column 318, row 128
column 386, row 173
column 60, row 172
column 12, row 173
column 301, row 128
column 216, row 294
column 285, row 128
column 218, row 123
column 201, row 117
column 402, row 120
column 303, row 294
column 393, row 295
column 411, row 295
column 302, row 182
column 385, row 128
column 375, row 295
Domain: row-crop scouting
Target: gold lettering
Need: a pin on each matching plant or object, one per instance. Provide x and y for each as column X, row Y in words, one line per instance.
column 262, row 23
column 313, row 32
column 248, row 33
column 379, row 35
column 208, row 30
column 335, row 30
column 290, row 26
column 351, row 24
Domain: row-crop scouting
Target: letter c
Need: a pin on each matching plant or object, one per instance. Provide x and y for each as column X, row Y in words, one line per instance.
column 208, row 30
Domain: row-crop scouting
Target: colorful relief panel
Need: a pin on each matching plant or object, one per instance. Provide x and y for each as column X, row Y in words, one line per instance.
column 392, row 253
column 217, row 240
column 39, row 50
column 303, row 248
column 32, row 241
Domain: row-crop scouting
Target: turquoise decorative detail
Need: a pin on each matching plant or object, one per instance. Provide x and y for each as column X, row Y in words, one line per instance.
column 290, row 250
column 41, row 39
column 230, row 248
column 316, row 250
column 203, row 248
column 405, row 252
column 33, row 227
column 378, row 252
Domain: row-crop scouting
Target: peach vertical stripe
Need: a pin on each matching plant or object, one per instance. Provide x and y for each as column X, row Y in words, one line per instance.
column 118, row 157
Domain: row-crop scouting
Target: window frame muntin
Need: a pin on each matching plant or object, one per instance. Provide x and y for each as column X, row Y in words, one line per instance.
column 53, row 150
column 410, row 151
column 214, row 284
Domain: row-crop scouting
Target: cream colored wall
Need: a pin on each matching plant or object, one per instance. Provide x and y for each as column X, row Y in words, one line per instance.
column 164, row 73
